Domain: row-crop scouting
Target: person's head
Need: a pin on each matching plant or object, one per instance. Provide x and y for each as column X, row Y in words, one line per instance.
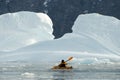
column 62, row 61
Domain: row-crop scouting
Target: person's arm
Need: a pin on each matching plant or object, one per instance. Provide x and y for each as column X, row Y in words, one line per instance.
column 65, row 63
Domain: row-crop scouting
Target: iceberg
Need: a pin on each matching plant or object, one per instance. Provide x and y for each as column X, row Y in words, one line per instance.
column 94, row 40
column 24, row 28
column 101, row 29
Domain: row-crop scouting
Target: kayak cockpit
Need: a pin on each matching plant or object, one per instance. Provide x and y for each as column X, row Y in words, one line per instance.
column 61, row 68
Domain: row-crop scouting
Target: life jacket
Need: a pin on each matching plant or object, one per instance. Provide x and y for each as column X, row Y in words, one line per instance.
column 62, row 64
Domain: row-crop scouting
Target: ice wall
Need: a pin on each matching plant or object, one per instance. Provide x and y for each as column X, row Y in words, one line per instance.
column 105, row 30
column 21, row 29
column 95, row 39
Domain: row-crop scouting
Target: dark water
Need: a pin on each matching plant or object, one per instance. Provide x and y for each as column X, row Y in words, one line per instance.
column 42, row 71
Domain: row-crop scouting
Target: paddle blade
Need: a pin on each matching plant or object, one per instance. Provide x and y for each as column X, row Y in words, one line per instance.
column 70, row 58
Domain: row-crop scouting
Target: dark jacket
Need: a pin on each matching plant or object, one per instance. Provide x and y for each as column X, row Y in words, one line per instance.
column 62, row 64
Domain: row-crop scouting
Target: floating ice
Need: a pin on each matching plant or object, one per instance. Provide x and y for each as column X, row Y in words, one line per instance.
column 28, row 75
column 21, row 29
column 95, row 39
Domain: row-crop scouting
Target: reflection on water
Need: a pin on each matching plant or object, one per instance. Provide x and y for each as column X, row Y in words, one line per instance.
column 63, row 75
column 37, row 71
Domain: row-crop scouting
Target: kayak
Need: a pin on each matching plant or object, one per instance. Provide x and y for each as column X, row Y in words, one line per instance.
column 63, row 63
column 62, row 68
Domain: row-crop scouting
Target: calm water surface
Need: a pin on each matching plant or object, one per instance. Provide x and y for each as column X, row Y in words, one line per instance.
column 42, row 71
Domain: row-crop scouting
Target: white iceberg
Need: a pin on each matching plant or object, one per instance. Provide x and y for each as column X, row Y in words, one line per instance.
column 95, row 39
column 24, row 28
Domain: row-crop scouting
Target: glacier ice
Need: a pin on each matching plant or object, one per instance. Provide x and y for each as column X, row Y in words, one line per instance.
column 94, row 40
column 24, row 28
column 102, row 29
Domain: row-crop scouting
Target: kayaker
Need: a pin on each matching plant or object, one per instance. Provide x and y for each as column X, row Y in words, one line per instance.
column 62, row 64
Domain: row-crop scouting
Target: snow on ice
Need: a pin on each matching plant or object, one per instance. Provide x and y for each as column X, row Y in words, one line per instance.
column 95, row 39
column 24, row 28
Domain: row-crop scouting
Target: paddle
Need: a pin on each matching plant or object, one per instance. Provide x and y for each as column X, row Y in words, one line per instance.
column 70, row 58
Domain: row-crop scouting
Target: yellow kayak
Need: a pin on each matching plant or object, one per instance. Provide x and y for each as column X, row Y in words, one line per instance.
column 62, row 65
column 62, row 68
